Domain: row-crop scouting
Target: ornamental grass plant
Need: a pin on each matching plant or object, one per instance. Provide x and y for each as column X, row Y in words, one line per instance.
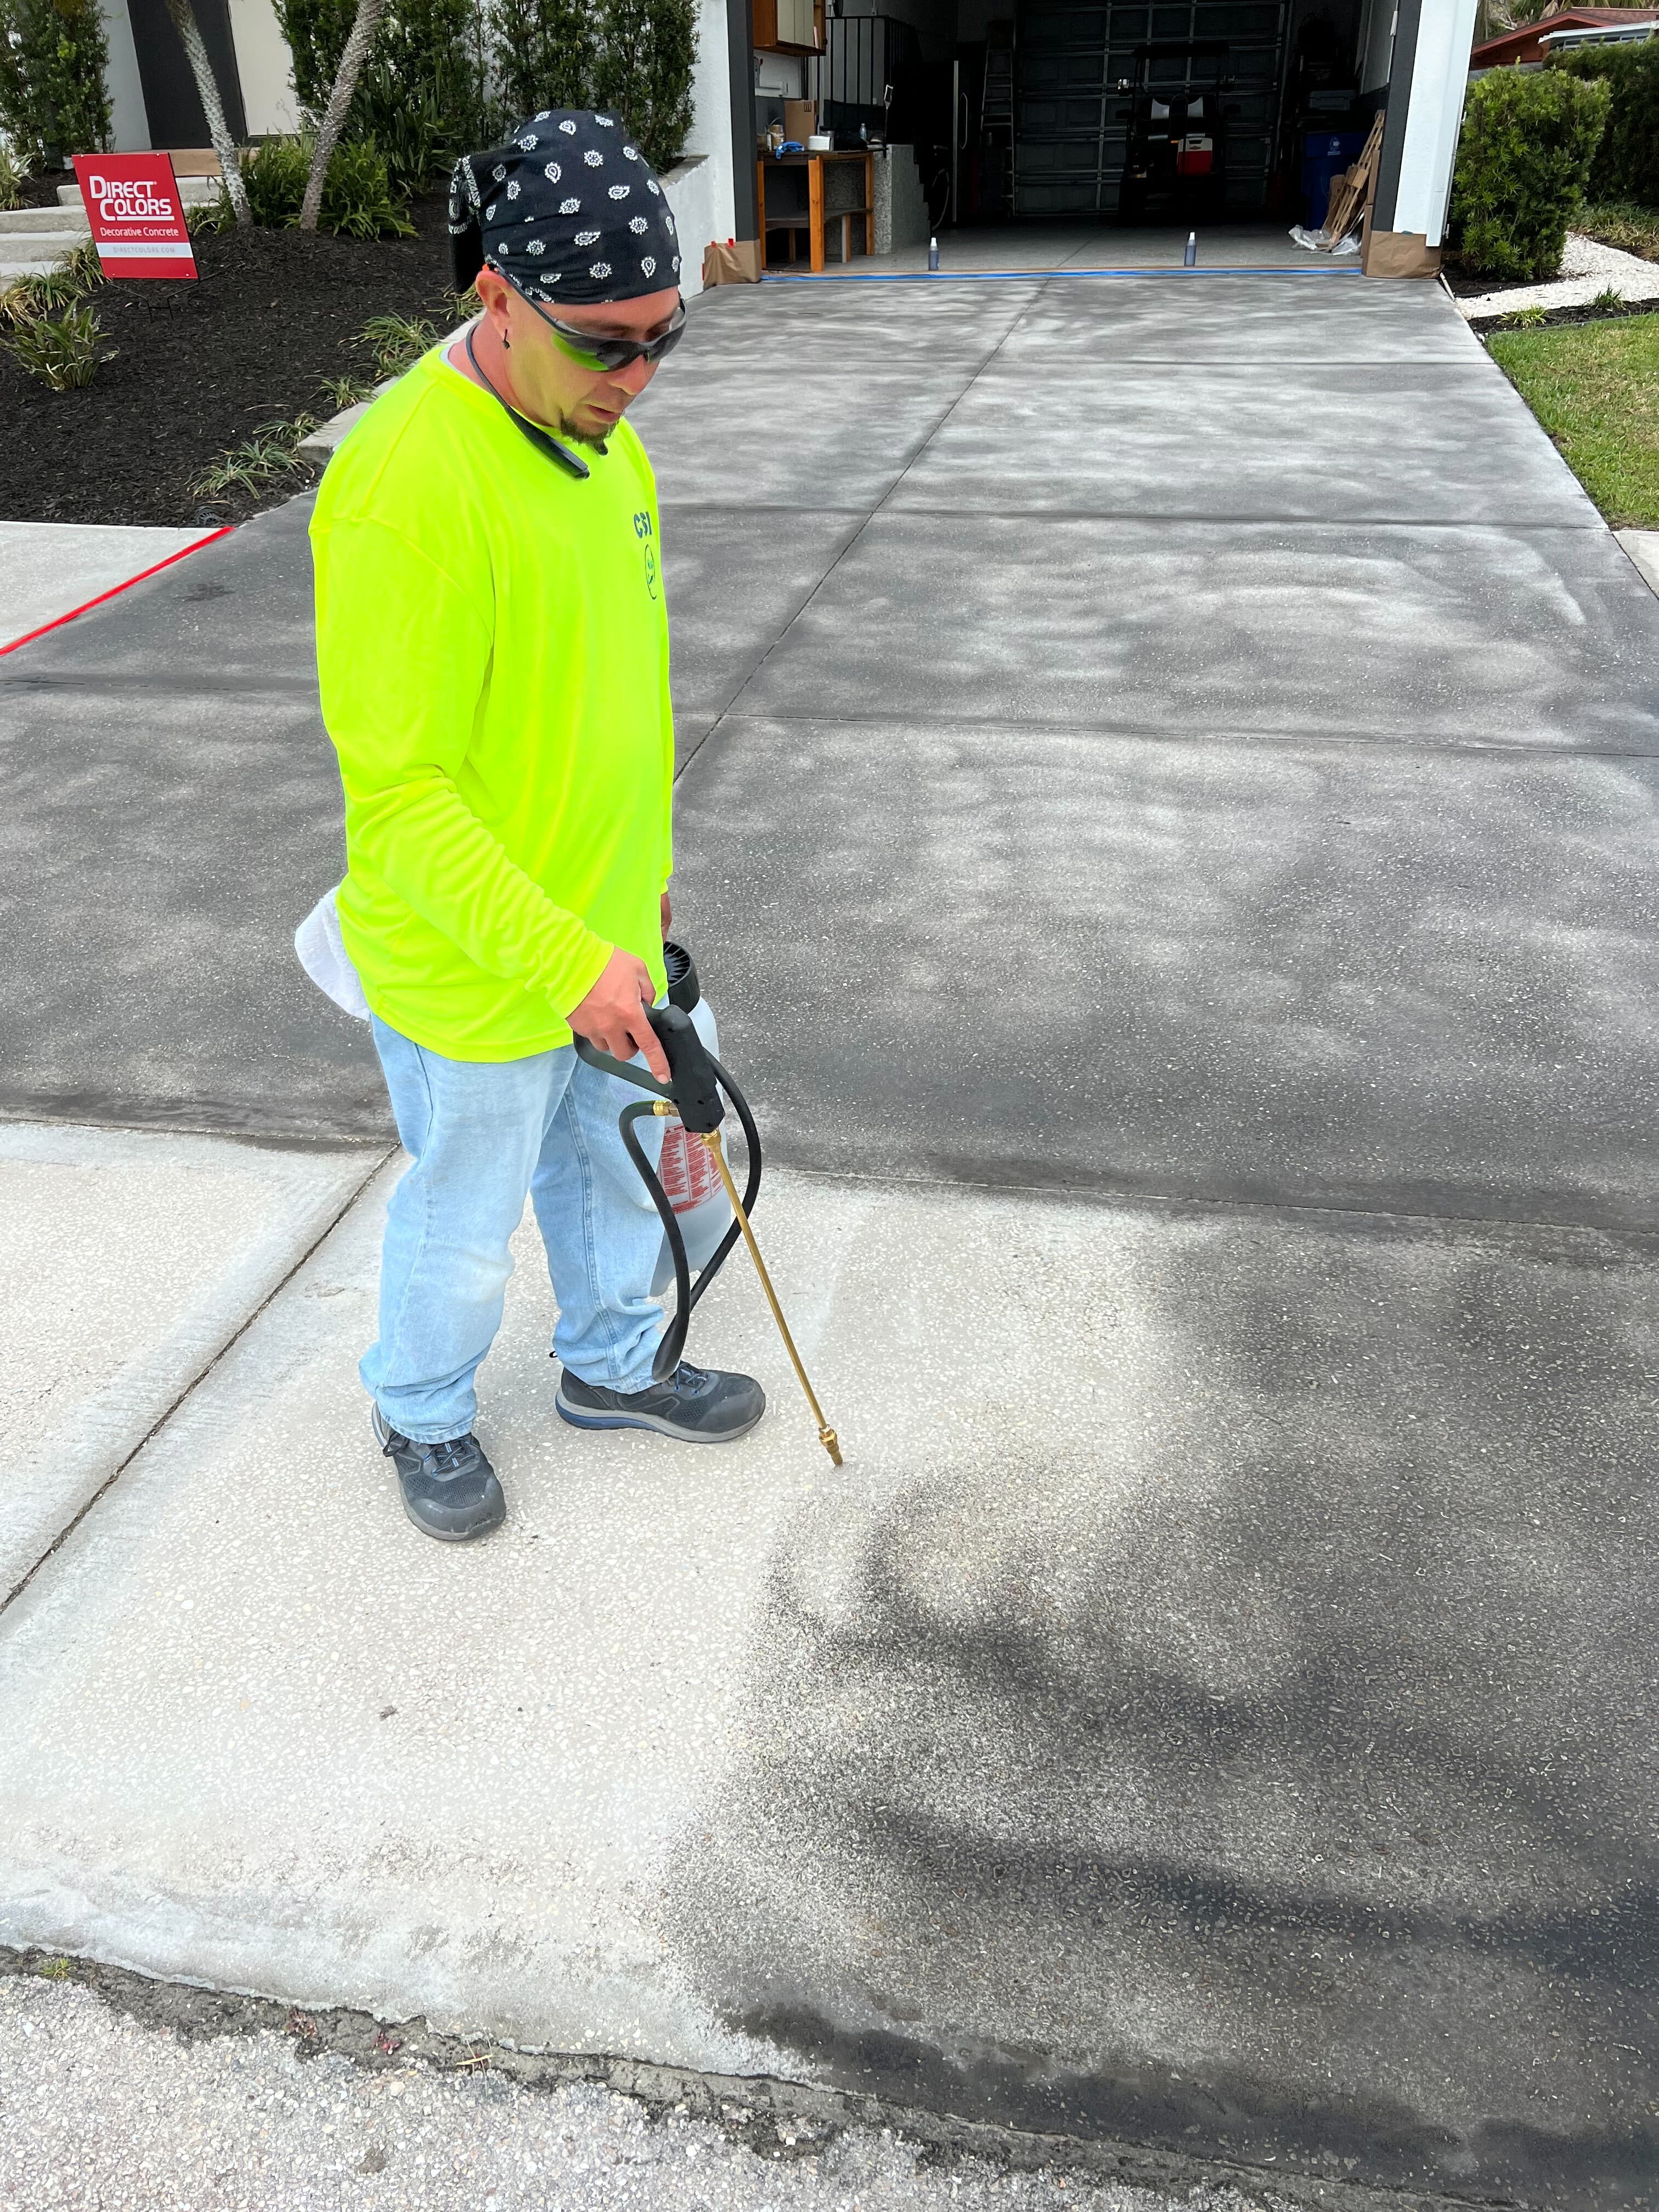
column 63, row 351
column 1624, row 223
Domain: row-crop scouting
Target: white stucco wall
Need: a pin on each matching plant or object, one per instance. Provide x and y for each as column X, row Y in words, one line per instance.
column 709, row 206
column 1440, row 75
column 129, row 126
column 692, row 186
column 265, row 68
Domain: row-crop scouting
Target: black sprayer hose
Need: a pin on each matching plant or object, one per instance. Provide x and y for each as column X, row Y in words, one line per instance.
column 672, row 1348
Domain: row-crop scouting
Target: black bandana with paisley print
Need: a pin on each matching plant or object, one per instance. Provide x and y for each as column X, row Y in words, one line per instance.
column 568, row 208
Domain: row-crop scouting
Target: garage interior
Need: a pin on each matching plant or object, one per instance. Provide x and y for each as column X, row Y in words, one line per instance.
column 1144, row 112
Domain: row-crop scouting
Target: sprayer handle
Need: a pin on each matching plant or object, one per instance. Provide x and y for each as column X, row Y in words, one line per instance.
column 640, row 1077
column 693, row 1087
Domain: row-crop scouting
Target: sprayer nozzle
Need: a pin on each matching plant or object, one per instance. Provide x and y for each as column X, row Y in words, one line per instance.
column 827, row 1436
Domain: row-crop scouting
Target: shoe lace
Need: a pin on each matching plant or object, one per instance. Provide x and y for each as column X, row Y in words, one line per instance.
column 455, row 1456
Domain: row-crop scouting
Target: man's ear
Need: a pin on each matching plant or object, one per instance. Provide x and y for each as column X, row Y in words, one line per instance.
column 496, row 297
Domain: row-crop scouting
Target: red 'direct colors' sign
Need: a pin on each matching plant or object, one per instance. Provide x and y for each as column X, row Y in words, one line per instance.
column 136, row 215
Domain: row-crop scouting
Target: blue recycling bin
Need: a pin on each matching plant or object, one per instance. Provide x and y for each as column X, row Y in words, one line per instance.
column 1325, row 154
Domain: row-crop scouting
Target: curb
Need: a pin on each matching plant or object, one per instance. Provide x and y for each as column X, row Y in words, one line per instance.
column 1642, row 547
column 319, row 447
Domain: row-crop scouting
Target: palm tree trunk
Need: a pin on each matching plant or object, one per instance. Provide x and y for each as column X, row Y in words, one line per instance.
column 339, row 106
column 184, row 21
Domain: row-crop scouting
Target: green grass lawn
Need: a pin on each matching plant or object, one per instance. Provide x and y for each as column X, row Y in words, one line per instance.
column 1595, row 387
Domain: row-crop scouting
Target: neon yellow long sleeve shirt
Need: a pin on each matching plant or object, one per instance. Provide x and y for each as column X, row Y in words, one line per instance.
column 492, row 647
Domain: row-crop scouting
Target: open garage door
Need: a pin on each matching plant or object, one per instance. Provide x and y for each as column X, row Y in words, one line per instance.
column 1097, row 82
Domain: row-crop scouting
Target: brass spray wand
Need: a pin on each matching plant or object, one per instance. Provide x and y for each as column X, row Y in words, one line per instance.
column 711, row 1138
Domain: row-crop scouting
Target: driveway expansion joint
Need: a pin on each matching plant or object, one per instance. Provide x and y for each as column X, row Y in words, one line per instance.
column 377, row 1158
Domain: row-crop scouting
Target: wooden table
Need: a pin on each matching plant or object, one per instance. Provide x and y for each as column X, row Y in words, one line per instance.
column 811, row 219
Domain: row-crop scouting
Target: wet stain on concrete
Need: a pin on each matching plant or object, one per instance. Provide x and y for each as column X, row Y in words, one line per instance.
column 1257, row 1767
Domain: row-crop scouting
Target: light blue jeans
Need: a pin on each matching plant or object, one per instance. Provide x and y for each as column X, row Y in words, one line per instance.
column 483, row 1134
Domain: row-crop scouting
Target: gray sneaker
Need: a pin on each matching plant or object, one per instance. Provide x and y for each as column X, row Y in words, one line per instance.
column 450, row 1489
column 696, row 1404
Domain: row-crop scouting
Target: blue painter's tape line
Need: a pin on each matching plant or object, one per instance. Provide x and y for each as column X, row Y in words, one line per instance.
column 1044, row 276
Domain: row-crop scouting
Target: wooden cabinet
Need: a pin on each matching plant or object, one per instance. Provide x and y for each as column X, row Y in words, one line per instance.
column 804, row 195
column 788, row 26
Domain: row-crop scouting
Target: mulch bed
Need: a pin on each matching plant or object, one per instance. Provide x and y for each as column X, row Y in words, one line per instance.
column 1480, row 325
column 42, row 191
column 199, row 366
column 1468, row 283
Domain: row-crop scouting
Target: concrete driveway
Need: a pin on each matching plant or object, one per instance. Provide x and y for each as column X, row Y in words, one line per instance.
column 1166, row 823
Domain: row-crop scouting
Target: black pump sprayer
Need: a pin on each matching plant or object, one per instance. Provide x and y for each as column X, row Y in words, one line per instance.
column 692, row 1094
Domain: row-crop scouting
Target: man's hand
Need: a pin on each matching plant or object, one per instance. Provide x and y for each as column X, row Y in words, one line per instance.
column 667, row 915
column 613, row 1015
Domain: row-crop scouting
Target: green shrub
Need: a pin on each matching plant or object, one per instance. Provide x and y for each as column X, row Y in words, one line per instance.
column 1528, row 140
column 418, row 144
column 12, row 173
column 53, row 103
column 1626, row 164
column 543, row 54
column 357, row 197
column 62, row 350
column 274, row 178
column 648, row 50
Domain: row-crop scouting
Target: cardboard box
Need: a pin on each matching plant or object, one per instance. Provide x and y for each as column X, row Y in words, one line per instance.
column 800, row 118
column 1397, row 253
column 734, row 263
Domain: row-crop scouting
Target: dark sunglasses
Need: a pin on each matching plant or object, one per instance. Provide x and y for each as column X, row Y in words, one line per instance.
column 609, row 353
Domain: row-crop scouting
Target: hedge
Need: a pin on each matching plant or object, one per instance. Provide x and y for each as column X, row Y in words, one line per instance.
column 53, row 103
column 421, row 97
column 447, row 76
column 647, row 53
column 544, row 53
column 1626, row 164
column 1529, row 137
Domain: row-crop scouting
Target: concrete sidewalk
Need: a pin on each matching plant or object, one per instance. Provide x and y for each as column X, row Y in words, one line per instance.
column 49, row 570
column 1166, row 823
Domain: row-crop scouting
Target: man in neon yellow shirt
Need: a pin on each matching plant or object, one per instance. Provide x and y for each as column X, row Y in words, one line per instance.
column 492, row 649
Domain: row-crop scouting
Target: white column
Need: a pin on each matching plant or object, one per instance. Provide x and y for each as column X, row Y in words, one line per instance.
column 265, row 67
column 129, row 123
column 1439, row 79
column 711, row 110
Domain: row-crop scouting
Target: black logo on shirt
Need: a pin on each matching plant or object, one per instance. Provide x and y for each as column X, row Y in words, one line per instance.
column 647, row 536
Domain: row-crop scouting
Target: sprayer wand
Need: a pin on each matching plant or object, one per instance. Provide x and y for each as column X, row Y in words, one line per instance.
column 691, row 1095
